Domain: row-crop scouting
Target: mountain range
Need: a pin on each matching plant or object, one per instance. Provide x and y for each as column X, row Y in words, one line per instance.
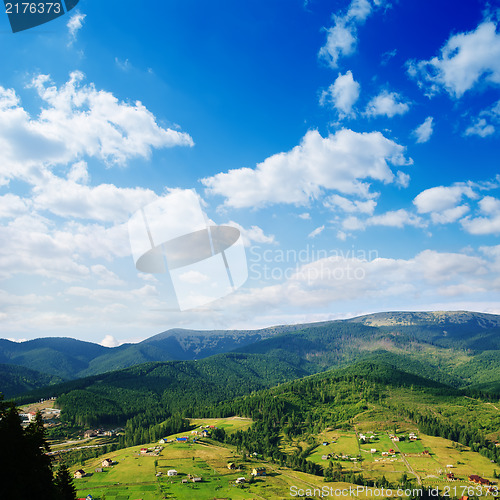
column 460, row 349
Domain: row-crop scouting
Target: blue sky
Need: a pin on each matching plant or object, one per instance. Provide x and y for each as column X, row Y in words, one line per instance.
column 355, row 145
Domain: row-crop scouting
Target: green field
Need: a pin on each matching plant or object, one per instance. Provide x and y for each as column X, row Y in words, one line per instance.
column 133, row 476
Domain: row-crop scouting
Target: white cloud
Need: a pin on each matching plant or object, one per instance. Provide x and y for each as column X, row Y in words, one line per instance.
column 75, row 120
column 337, row 201
column 464, row 61
column 305, row 216
column 342, row 94
column 395, row 218
column 105, row 202
column 254, row 234
column 341, row 38
column 193, row 277
column 402, row 179
column 440, row 198
column 340, row 162
column 12, row 205
column 449, row 215
column 316, row 232
column 105, row 277
column 74, row 25
column 392, row 218
column 424, row 131
column 429, row 274
column 109, row 341
column 481, row 128
column 387, row 103
column 489, row 222
column 79, row 173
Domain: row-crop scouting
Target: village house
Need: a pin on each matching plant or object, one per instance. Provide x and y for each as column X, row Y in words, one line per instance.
column 205, row 433
column 99, row 469
column 231, row 465
column 196, row 479
column 451, row 477
column 479, row 480
column 171, row 472
column 412, row 436
column 259, row 471
column 183, row 439
column 79, row 474
column 240, row 480
column 144, row 451
column 107, row 462
column 395, row 438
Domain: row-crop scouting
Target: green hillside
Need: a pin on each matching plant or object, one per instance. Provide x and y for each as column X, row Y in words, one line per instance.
column 17, row 380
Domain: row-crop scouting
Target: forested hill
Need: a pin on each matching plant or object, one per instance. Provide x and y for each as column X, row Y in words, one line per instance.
column 461, row 349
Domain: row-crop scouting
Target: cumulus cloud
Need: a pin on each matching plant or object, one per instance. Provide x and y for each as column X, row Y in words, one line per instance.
column 342, row 162
column 341, row 39
column 342, row 94
column 424, row 131
column 488, row 222
column 75, row 121
column 109, row 341
column 12, row 205
column 388, row 104
column 338, row 278
column 441, row 198
column 254, row 234
column 392, row 218
column 481, row 128
column 465, row 60
column 336, row 201
column 105, row 202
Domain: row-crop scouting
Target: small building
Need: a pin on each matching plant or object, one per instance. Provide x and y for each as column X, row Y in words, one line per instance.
column 171, row 472
column 412, row 436
column 107, row 462
column 395, row 438
column 205, row 433
column 426, row 452
column 231, row 465
column 240, row 480
column 324, row 457
column 79, row 474
column 385, row 453
column 259, row 471
column 391, row 450
column 196, row 479
column 184, row 481
column 451, row 477
column 163, row 440
column 182, row 439
column 450, row 466
column 373, row 450
column 89, row 433
column 99, row 469
column 479, row 480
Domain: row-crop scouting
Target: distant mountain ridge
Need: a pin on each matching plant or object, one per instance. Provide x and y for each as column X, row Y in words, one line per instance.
column 450, row 347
